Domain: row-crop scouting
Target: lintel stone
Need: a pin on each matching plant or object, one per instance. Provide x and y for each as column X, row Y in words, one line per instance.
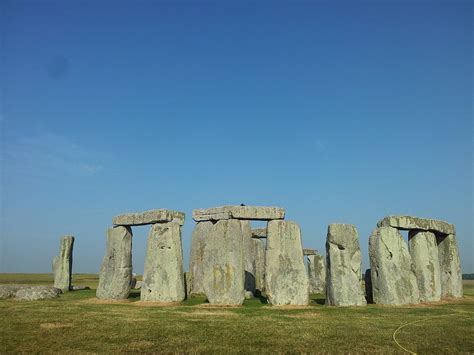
column 310, row 252
column 258, row 213
column 149, row 217
column 409, row 223
column 259, row 233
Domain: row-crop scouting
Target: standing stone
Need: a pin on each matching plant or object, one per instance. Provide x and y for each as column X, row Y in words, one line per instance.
column 163, row 276
column 368, row 286
column 249, row 258
column 286, row 280
column 198, row 243
column 424, row 255
column 116, row 271
column 450, row 266
column 223, row 263
column 317, row 273
column 344, row 263
column 62, row 264
column 259, row 258
column 188, row 282
column 393, row 277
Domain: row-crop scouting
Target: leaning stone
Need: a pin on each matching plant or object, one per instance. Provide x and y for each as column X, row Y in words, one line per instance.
column 286, row 280
column 62, row 264
column 116, row 270
column 163, row 276
column 310, row 252
column 409, row 222
column 259, row 213
column 344, row 263
column 450, row 266
column 393, row 277
column 198, row 243
column 149, row 217
column 424, row 255
column 259, row 262
column 259, row 232
column 249, row 257
column 223, row 263
column 317, row 273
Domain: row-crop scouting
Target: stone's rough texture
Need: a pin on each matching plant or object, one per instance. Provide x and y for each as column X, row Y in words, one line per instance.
column 163, row 276
column 259, row 260
column 29, row 293
column 249, row 257
column 259, row 232
column 393, row 278
column 239, row 212
column 368, row 286
column 344, row 263
column 310, row 252
column 424, row 255
column 116, row 270
column 286, row 279
column 149, row 217
column 198, row 243
column 62, row 264
column 223, row 263
column 450, row 266
column 317, row 273
column 188, row 282
column 408, row 222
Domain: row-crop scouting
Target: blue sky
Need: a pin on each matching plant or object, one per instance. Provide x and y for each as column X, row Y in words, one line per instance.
column 338, row 111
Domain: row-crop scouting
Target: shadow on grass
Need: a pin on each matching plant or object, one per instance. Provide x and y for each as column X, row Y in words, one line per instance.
column 318, row 299
column 134, row 295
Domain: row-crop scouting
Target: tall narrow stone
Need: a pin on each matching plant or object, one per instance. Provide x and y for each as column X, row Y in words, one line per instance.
column 317, row 273
column 116, row 271
column 286, row 280
column 450, row 266
column 62, row 264
column 198, row 243
column 424, row 255
column 223, row 263
column 249, row 258
column 163, row 276
column 393, row 277
column 344, row 263
column 259, row 258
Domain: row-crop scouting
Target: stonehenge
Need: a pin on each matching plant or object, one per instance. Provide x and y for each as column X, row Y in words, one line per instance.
column 316, row 271
column 62, row 264
column 163, row 279
column 425, row 270
column 344, row 263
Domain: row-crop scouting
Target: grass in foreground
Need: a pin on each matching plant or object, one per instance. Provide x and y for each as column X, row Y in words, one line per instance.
column 78, row 322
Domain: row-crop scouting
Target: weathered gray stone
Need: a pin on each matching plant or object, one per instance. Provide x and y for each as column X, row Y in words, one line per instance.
column 307, row 251
column 62, row 264
column 317, row 273
column 393, row 277
column 259, row 261
column 223, row 263
column 116, row 270
column 133, row 283
column 343, row 263
column 163, row 276
column 259, row 232
column 28, row 292
column 424, row 255
column 450, row 266
column 188, row 281
column 249, row 257
column 409, row 222
column 260, row 213
column 286, row 280
column 79, row 288
column 149, row 217
column 198, row 243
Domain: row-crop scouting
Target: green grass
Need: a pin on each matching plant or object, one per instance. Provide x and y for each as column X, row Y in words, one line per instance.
column 77, row 322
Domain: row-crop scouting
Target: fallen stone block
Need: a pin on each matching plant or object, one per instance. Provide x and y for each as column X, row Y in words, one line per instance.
column 28, row 292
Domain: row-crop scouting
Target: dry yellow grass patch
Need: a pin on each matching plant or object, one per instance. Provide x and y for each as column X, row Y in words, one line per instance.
column 101, row 301
column 54, row 325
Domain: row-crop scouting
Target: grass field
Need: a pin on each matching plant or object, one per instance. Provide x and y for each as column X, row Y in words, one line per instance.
column 78, row 322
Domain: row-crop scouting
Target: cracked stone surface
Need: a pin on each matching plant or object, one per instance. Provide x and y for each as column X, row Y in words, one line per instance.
column 116, row 270
column 343, row 265
column 163, row 275
column 62, row 264
column 392, row 273
column 450, row 266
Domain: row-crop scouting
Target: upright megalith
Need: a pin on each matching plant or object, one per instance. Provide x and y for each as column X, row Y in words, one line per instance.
column 424, row 255
column 223, row 263
column 343, row 267
column 286, row 280
column 259, row 263
column 199, row 241
column 450, row 266
column 393, row 277
column 116, row 270
column 249, row 258
column 163, row 276
column 316, row 272
column 62, row 264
